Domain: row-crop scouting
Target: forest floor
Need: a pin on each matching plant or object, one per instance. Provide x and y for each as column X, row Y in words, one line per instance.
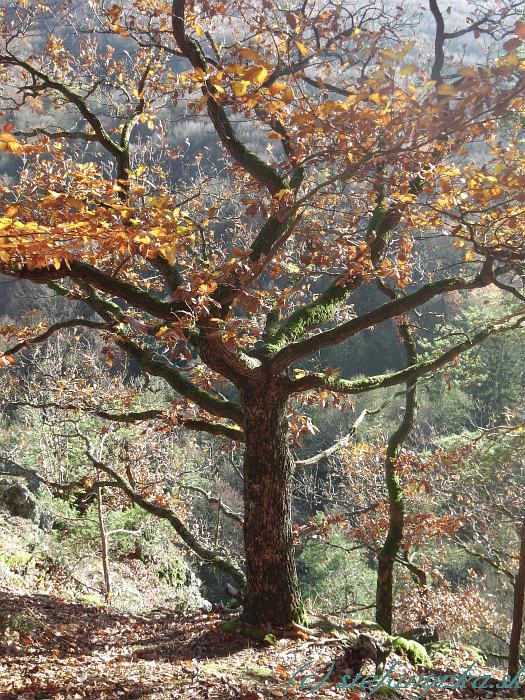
column 58, row 643
column 66, row 649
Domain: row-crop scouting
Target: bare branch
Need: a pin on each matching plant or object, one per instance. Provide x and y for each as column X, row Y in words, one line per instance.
column 218, row 502
column 71, row 323
column 342, row 442
column 204, row 426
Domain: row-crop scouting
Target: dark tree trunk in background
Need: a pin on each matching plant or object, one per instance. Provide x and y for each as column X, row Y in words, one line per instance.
column 272, row 585
column 390, row 549
column 517, row 610
column 103, row 546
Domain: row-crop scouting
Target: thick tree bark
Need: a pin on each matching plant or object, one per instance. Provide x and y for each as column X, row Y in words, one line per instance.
column 517, row 610
column 272, row 594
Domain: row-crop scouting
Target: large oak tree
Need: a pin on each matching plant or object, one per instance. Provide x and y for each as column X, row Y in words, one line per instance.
column 221, row 178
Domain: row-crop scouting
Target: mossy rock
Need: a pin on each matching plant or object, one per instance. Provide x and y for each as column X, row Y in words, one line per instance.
column 449, row 651
column 237, row 627
column 19, row 500
column 174, row 572
column 416, row 652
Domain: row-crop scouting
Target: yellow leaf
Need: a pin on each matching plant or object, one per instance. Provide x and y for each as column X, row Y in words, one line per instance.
column 469, row 255
column 390, row 54
column 299, row 373
column 408, row 69
column 468, row 72
column 251, row 54
column 257, row 74
column 119, row 30
column 444, row 89
column 8, row 138
column 159, row 202
column 292, row 267
column 403, row 50
column 287, row 94
column 199, row 31
column 240, row 87
column 302, row 48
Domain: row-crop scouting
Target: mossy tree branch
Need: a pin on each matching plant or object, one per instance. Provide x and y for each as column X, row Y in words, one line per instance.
column 158, row 366
column 44, row 82
column 274, row 229
column 319, row 380
column 79, row 271
column 118, row 149
column 381, row 225
column 390, row 549
column 240, row 153
column 287, row 353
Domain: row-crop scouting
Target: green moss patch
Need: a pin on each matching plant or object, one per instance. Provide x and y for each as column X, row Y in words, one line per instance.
column 416, row 652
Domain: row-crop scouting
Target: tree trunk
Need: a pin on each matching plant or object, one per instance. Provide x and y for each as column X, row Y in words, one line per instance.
column 390, row 548
column 103, row 546
column 272, row 594
column 517, row 610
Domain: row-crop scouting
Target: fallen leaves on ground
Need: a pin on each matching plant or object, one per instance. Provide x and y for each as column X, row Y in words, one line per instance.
column 68, row 650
